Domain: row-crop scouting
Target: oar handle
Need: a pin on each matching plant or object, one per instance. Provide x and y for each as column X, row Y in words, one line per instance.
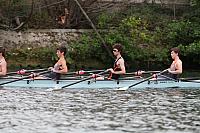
column 26, row 77
column 147, row 72
column 81, row 72
column 23, row 71
column 141, row 72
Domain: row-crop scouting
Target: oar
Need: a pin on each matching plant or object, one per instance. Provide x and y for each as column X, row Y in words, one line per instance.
column 22, row 71
column 142, row 72
column 81, row 72
column 89, row 77
column 191, row 79
column 25, row 77
column 164, row 76
column 127, row 87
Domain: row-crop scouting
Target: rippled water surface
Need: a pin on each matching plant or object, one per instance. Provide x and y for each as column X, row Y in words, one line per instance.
column 100, row 111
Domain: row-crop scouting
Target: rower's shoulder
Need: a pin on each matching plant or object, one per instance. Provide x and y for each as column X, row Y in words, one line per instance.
column 179, row 61
column 62, row 60
column 122, row 59
column 3, row 61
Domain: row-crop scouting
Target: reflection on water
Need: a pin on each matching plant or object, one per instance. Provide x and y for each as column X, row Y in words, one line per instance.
column 101, row 111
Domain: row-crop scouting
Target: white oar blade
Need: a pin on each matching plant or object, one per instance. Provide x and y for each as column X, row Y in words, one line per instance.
column 54, row 89
column 57, row 89
column 50, row 89
column 122, row 88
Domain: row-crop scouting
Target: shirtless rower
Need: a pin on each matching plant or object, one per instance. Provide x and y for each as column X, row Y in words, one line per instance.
column 59, row 68
column 3, row 63
column 176, row 66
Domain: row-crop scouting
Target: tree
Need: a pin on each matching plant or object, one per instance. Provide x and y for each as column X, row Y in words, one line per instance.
column 14, row 15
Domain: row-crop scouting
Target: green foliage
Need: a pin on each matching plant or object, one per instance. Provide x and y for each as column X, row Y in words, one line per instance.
column 86, row 48
column 103, row 20
column 42, row 55
column 191, row 55
column 195, row 3
column 137, row 29
column 182, row 32
column 191, row 52
column 138, row 41
column 193, row 48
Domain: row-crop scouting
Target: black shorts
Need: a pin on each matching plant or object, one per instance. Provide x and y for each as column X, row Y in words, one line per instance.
column 53, row 75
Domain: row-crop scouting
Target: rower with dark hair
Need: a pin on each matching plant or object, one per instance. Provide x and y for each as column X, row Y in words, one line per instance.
column 3, row 63
column 176, row 66
column 119, row 66
column 60, row 66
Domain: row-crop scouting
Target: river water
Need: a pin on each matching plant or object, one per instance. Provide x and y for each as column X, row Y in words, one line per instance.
column 100, row 111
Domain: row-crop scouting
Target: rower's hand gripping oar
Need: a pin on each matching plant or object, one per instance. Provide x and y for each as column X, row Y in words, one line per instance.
column 25, row 77
column 89, row 77
column 127, row 87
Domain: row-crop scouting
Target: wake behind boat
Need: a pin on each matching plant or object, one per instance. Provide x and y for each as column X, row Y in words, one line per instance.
column 93, row 83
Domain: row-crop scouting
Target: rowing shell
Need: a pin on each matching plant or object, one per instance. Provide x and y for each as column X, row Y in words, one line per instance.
column 101, row 84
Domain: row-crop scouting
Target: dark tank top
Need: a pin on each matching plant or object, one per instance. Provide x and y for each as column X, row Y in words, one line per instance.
column 115, row 68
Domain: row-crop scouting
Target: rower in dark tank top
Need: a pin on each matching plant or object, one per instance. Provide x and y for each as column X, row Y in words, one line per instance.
column 119, row 66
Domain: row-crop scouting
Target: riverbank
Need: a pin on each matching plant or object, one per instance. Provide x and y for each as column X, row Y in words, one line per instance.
column 147, row 32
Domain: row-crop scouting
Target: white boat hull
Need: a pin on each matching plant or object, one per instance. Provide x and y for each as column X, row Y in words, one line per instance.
column 100, row 84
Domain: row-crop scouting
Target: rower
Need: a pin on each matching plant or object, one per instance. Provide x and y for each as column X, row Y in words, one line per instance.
column 176, row 67
column 3, row 63
column 119, row 66
column 59, row 68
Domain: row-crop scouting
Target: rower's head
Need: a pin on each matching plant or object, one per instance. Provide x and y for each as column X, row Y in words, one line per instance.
column 117, row 48
column 61, row 51
column 174, row 52
column 2, row 51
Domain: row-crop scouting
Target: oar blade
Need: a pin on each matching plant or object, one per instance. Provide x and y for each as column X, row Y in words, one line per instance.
column 55, row 89
column 122, row 88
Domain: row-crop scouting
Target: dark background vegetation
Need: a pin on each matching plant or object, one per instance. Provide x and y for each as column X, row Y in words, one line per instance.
column 147, row 32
